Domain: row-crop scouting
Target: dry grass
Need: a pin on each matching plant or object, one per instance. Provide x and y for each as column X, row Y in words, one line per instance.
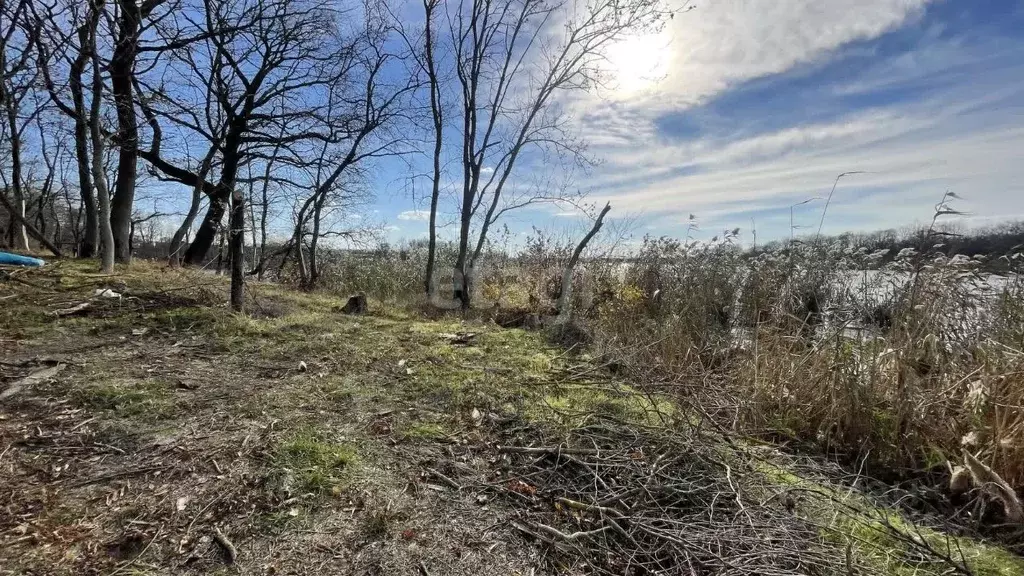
column 896, row 366
column 943, row 371
column 174, row 418
column 892, row 365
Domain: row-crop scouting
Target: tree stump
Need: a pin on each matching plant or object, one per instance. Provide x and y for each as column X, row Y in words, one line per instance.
column 355, row 305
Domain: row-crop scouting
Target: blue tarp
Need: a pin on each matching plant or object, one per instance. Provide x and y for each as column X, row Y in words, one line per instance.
column 6, row 258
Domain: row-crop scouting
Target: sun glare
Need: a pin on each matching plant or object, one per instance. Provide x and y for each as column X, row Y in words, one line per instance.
column 637, row 63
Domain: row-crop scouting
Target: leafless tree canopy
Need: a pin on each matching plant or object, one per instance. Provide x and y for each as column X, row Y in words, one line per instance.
column 210, row 121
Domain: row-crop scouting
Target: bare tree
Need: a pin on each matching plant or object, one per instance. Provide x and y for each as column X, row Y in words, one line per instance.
column 271, row 83
column 511, row 59
column 15, row 85
column 132, row 15
column 368, row 117
column 44, row 186
column 423, row 50
column 108, row 242
column 437, row 115
column 564, row 306
column 54, row 45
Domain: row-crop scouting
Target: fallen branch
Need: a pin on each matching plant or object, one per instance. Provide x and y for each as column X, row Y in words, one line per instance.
column 549, row 450
column 115, row 475
column 589, row 507
column 553, row 535
column 69, row 311
column 451, row 483
column 82, row 423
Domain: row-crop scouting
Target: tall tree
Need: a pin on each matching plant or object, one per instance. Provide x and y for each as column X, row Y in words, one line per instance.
column 268, row 82
column 437, row 117
column 511, row 58
column 259, row 65
column 53, row 44
column 108, row 242
column 131, row 15
column 15, row 84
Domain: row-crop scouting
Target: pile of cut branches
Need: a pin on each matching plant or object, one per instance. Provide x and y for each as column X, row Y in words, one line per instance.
column 614, row 498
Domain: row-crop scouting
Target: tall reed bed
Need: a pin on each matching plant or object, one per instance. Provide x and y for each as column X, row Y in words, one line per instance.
column 902, row 365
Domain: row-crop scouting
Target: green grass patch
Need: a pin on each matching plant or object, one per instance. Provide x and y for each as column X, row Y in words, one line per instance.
column 318, row 465
column 882, row 544
column 426, row 431
column 882, row 541
column 140, row 399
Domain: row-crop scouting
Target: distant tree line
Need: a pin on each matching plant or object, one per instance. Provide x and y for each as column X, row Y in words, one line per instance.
column 998, row 245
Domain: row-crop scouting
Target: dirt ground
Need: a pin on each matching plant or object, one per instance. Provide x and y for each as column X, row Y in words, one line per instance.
column 144, row 429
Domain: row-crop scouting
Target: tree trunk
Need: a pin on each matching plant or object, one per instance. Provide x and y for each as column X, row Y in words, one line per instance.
column 462, row 291
column 91, row 237
column 99, row 175
column 207, row 233
column 436, row 112
column 313, row 270
column 40, row 212
column 15, row 218
column 177, row 240
column 236, row 250
column 20, row 225
column 222, row 193
column 122, row 68
column 565, row 298
column 193, row 210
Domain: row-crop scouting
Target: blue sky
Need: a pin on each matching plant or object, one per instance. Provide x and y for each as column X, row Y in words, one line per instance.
column 739, row 109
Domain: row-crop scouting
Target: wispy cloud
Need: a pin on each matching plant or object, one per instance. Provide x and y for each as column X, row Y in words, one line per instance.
column 766, row 105
column 720, row 44
column 414, row 215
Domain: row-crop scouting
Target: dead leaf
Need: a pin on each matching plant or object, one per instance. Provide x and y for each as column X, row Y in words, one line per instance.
column 520, row 487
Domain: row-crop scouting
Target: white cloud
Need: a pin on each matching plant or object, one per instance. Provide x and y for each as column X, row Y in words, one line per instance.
column 965, row 135
column 414, row 215
column 721, row 43
column 913, row 152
